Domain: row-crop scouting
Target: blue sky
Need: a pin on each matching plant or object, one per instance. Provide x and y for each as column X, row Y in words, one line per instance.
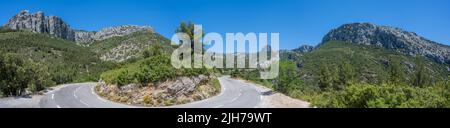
column 298, row 21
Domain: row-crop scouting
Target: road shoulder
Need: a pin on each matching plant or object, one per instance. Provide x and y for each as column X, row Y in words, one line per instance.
column 271, row 99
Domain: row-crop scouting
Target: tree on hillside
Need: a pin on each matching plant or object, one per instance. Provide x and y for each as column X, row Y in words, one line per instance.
column 289, row 78
column 189, row 29
column 155, row 49
column 396, row 75
column 421, row 76
column 346, row 75
column 18, row 74
column 325, row 77
column 39, row 77
column 12, row 80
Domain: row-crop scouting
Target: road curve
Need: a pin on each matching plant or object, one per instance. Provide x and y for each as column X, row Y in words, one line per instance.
column 234, row 94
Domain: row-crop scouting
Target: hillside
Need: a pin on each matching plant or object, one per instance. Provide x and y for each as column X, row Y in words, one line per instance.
column 397, row 39
column 371, row 64
column 67, row 61
column 53, row 25
column 349, row 75
column 132, row 46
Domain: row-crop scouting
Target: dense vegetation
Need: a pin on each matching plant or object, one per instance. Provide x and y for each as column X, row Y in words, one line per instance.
column 130, row 47
column 59, row 60
column 339, row 74
column 19, row 75
column 155, row 66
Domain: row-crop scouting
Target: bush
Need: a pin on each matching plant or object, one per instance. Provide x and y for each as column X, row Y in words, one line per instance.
column 288, row 79
column 382, row 96
column 216, row 84
column 18, row 74
column 149, row 70
column 123, row 78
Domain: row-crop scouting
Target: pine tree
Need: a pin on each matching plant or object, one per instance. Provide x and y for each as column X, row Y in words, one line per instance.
column 346, row 75
column 288, row 78
column 396, row 74
column 325, row 77
column 421, row 76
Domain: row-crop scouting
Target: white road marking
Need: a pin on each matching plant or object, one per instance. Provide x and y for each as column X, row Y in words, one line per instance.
column 53, row 96
column 98, row 97
column 234, row 99
column 218, row 106
column 84, row 103
column 74, row 92
column 57, row 106
column 224, row 88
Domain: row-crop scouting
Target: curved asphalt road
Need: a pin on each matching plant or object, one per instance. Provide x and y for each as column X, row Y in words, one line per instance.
column 234, row 94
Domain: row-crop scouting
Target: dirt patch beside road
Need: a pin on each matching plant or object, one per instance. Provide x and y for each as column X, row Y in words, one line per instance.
column 271, row 99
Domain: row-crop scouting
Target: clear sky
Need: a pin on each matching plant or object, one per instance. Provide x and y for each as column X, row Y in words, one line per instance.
column 298, row 21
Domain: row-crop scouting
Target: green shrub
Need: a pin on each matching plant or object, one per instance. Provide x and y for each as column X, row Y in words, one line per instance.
column 149, row 70
column 18, row 74
column 123, row 78
column 382, row 96
column 216, row 85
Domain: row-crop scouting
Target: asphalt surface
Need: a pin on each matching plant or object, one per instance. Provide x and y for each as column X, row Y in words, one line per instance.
column 234, row 94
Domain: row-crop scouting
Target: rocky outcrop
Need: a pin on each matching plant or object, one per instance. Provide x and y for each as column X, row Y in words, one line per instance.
column 391, row 38
column 89, row 37
column 119, row 31
column 304, row 49
column 180, row 90
column 84, row 36
column 39, row 23
column 185, row 85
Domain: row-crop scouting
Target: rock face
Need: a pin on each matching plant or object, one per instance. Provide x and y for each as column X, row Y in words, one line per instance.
column 185, row 85
column 85, row 37
column 119, row 31
column 391, row 38
column 39, row 23
column 304, row 49
column 177, row 91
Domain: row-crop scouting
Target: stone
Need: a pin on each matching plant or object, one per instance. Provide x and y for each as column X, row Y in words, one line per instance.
column 185, row 85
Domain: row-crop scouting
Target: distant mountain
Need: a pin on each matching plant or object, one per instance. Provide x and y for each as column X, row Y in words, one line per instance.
column 297, row 53
column 39, row 23
column 106, row 33
column 390, row 38
column 53, row 25
column 304, row 49
column 131, row 46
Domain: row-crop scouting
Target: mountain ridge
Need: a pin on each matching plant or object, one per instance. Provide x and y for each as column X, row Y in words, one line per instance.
column 53, row 25
column 390, row 38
